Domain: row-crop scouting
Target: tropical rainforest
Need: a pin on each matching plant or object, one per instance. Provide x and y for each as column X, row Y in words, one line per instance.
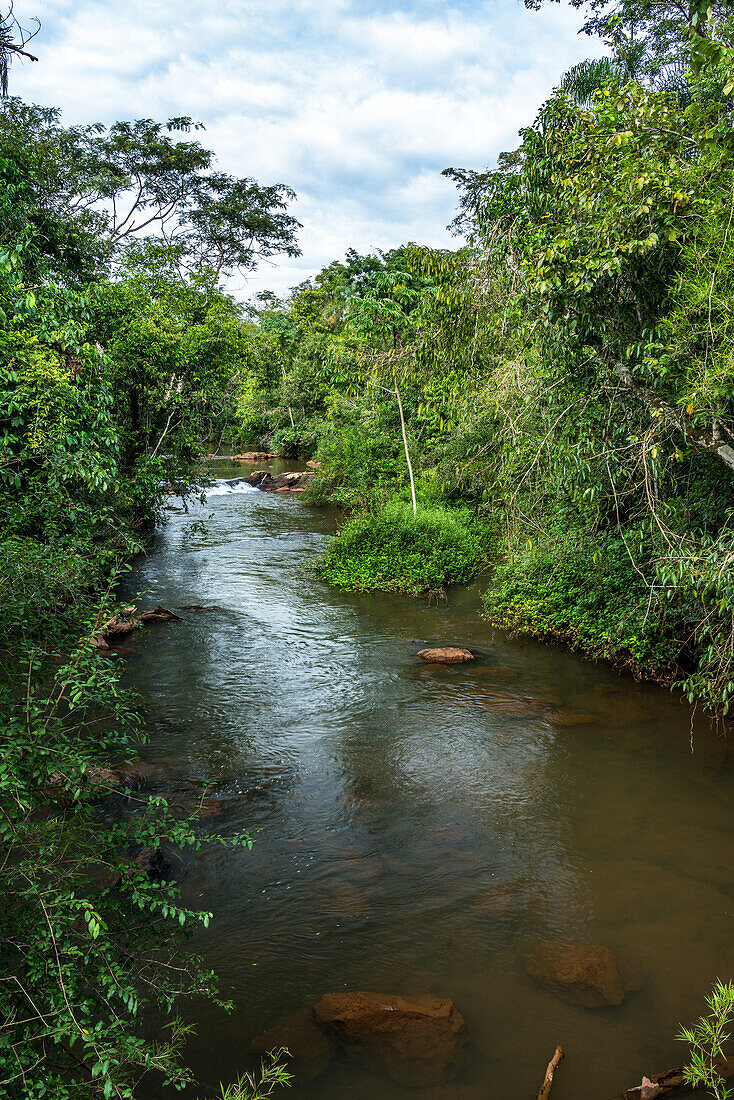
column 548, row 407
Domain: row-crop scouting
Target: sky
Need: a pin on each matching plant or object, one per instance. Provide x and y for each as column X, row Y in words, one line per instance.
column 357, row 106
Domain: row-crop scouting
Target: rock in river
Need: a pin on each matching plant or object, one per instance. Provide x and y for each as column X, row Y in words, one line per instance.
column 417, row 1040
column 446, row 655
column 309, row 1047
column 291, row 482
column 587, row 974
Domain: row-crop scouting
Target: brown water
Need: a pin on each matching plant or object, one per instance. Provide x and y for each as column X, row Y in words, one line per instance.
column 416, row 827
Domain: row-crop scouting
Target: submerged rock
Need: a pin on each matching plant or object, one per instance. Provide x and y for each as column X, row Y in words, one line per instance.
column 345, row 901
column 417, row 1040
column 310, row 1049
column 446, row 655
column 587, row 974
column 574, row 718
column 499, row 902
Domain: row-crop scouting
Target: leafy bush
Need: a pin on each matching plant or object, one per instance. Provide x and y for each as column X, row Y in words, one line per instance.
column 394, row 551
column 579, row 587
column 296, row 442
column 90, row 933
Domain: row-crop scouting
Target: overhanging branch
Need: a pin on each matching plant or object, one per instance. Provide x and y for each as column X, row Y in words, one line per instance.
column 711, row 439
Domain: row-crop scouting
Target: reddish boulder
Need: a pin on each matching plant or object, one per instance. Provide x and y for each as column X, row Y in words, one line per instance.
column 309, row 1048
column 254, row 456
column 446, row 655
column 417, row 1040
column 587, row 974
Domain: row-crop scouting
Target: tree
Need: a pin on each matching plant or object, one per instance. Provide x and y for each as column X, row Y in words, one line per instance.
column 94, row 188
column 13, row 40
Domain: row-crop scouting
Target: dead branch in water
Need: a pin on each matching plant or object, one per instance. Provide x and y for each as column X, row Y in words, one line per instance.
column 548, row 1079
column 663, row 1084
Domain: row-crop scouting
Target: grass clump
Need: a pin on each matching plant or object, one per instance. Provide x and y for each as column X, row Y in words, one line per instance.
column 391, row 550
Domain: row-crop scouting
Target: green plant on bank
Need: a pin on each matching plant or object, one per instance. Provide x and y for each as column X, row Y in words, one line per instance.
column 706, row 1039
column 395, row 550
column 259, row 1086
column 90, row 935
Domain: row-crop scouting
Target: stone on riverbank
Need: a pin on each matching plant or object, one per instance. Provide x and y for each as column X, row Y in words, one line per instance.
column 309, row 1047
column 586, row 974
column 446, row 655
column 417, row 1040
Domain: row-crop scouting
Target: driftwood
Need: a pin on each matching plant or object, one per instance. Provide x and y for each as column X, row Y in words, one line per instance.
column 548, row 1079
column 672, row 1081
column 120, row 625
column 159, row 615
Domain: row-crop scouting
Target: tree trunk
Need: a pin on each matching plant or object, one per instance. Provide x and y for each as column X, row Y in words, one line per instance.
column 290, row 413
column 407, row 452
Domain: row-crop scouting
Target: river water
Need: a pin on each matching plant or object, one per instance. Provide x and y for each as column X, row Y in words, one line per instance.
column 417, row 828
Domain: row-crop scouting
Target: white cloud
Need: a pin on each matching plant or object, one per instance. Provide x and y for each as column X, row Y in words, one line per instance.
column 358, row 107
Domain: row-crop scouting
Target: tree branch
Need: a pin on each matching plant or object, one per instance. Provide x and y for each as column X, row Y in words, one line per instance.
column 710, row 440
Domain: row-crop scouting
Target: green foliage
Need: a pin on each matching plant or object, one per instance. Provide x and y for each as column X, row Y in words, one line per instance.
column 93, row 188
column 706, row 1039
column 119, row 364
column 90, row 934
column 582, row 589
column 394, row 551
column 251, row 1086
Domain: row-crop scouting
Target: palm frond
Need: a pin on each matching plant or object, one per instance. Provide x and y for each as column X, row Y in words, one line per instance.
column 587, row 77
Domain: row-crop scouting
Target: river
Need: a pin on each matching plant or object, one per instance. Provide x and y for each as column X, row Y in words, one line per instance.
column 417, row 828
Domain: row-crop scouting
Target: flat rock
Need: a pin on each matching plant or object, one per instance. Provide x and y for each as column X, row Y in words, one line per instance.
column 291, row 481
column 446, row 655
column 586, row 974
column 253, row 456
column 416, row 1040
column 310, row 1049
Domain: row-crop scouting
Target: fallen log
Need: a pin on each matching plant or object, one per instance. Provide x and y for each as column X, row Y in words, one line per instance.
column 121, row 625
column 549, row 1073
column 669, row 1082
column 159, row 614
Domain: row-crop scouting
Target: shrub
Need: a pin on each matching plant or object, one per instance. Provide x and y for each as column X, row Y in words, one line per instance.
column 394, row 551
column 580, row 587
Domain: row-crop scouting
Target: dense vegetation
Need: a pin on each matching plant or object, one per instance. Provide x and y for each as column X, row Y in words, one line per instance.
column 566, row 376
column 119, row 355
column 549, row 406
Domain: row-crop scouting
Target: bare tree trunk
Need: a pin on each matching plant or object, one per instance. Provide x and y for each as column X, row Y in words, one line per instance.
column 290, row 412
column 407, row 452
